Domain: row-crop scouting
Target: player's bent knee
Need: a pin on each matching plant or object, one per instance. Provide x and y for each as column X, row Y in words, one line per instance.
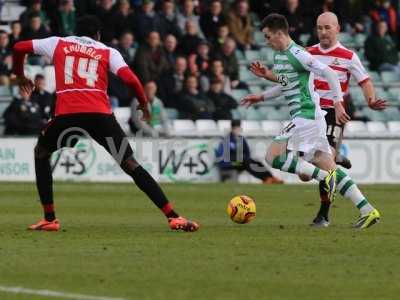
column 129, row 165
column 41, row 152
column 304, row 178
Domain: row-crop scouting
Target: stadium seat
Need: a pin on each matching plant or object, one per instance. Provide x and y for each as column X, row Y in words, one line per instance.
column 357, row 96
column 276, row 114
column 184, row 128
column 252, row 55
column 172, row 113
column 267, row 55
column 255, row 89
column 224, row 126
column 390, row 78
column 304, row 37
column 207, row 128
column 253, row 114
column 394, row 127
column 11, row 12
column 355, row 128
column 346, row 38
column 3, row 107
column 252, row 128
column 359, row 40
column 5, row 91
column 376, row 78
column 271, row 128
column 259, row 38
column 238, row 94
column 392, row 114
column 375, row 115
column 123, row 114
column 377, row 128
column 49, row 76
column 31, row 71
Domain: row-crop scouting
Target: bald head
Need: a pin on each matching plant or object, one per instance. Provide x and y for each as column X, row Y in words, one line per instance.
column 327, row 29
column 328, row 18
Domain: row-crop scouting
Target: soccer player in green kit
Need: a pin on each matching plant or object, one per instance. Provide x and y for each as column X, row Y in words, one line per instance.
column 294, row 68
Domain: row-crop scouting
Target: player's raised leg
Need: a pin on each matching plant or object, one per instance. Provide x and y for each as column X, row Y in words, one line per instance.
column 288, row 161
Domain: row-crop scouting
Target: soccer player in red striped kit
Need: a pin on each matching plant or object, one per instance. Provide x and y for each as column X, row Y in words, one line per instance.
column 81, row 66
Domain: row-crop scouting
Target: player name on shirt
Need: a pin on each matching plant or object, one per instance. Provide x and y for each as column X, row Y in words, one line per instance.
column 77, row 48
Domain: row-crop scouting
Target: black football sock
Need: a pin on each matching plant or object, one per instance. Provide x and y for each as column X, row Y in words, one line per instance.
column 44, row 184
column 325, row 203
column 151, row 188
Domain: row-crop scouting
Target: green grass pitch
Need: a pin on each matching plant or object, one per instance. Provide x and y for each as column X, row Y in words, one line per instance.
column 115, row 243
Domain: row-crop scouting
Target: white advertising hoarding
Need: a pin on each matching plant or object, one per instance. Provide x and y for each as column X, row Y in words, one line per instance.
column 189, row 160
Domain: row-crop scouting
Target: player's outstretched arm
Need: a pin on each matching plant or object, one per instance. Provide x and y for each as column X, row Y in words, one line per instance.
column 131, row 80
column 252, row 99
column 20, row 49
column 370, row 96
column 262, row 71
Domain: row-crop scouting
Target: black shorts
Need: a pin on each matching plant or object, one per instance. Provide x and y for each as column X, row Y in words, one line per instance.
column 333, row 130
column 65, row 131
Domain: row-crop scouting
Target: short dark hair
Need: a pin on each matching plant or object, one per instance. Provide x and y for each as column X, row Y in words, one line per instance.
column 39, row 76
column 235, row 123
column 275, row 22
column 88, row 25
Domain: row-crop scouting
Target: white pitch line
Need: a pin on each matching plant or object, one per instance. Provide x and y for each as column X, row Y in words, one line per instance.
column 54, row 294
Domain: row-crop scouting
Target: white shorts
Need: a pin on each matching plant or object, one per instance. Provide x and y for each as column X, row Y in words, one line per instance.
column 307, row 136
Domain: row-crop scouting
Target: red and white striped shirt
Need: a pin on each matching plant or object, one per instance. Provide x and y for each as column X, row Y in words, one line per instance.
column 345, row 62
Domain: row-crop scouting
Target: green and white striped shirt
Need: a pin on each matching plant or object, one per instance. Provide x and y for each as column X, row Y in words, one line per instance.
column 294, row 68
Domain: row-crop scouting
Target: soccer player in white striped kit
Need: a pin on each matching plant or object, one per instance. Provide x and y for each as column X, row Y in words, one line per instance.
column 301, row 62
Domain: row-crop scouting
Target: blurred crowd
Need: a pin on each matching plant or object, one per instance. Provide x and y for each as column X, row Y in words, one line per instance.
column 186, row 51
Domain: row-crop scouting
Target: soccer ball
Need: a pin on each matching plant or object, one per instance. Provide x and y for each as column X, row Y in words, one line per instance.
column 241, row 209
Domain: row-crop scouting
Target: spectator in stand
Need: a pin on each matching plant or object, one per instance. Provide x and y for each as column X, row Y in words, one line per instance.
column 295, row 17
column 23, row 117
column 170, row 46
column 158, row 125
column 35, row 8
column 222, row 34
column 380, row 50
column 146, row 21
column 240, row 24
column 15, row 34
column 233, row 153
column 127, row 47
column 44, row 99
column 339, row 7
column 106, row 14
column 124, row 18
column 190, row 40
column 169, row 20
column 216, row 73
column 5, row 58
column 85, row 7
column 212, row 19
column 171, row 82
column 35, row 30
column 150, row 61
column 230, row 63
column 66, row 18
column 193, row 103
column 385, row 11
column 223, row 103
column 199, row 62
column 189, row 15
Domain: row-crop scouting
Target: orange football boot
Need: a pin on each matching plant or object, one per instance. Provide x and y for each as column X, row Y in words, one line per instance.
column 180, row 223
column 46, row 225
